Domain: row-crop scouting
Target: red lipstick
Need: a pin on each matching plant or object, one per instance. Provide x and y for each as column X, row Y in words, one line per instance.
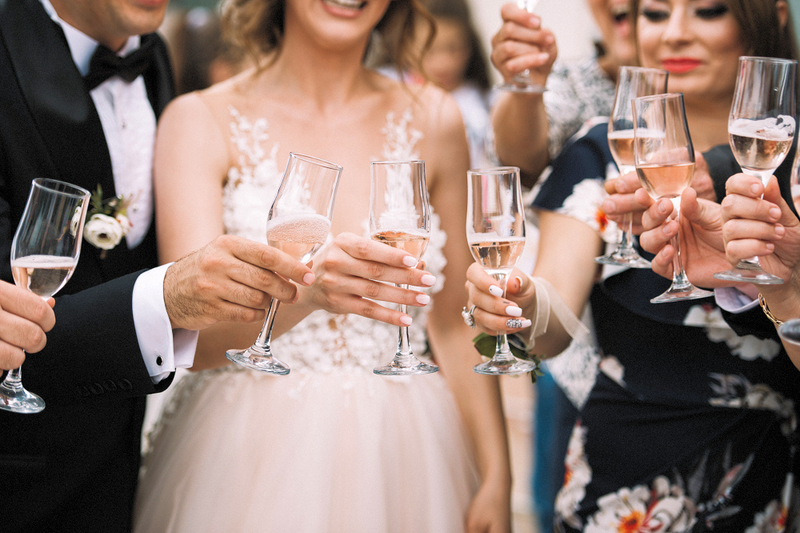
column 680, row 65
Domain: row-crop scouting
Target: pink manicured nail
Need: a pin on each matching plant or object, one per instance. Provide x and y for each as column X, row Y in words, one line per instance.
column 423, row 299
column 428, row 280
column 309, row 278
column 494, row 290
column 409, row 261
column 513, row 310
column 406, row 320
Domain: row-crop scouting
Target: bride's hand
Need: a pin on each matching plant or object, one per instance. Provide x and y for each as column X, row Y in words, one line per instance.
column 493, row 313
column 349, row 275
column 490, row 510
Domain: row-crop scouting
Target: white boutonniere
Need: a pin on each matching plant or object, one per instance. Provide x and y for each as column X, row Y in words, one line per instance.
column 107, row 221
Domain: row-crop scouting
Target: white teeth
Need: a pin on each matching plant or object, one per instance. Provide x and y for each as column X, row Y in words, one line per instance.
column 348, row 4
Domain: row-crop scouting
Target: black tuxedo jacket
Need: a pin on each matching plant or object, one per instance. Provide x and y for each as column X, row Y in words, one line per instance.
column 74, row 466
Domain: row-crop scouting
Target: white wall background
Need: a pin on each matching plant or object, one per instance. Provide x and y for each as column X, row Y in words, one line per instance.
column 570, row 21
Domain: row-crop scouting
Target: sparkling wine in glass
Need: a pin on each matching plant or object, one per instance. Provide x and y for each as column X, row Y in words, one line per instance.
column 521, row 82
column 399, row 216
column 632, row 82
column 664, row 159
column 496, row 237
column 44, row 255
column 760, row 130
column 299, row 223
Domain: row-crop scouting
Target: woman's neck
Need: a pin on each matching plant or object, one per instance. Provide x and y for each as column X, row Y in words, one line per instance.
column 326, row 77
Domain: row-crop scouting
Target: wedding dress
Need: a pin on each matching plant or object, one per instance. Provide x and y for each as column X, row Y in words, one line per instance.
column 331, row 447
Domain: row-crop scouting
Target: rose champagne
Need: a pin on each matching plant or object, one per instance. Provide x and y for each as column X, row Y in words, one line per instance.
column 299, row 236
column 621, row 144
column 665, row 181
column 497, row 255
column 43, row 275
column 413, row 243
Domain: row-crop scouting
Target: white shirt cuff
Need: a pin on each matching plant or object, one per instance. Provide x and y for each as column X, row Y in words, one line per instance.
column 163, row 349
column 733, row 300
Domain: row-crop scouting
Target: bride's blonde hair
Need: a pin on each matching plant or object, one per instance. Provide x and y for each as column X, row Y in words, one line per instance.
column 257, row 26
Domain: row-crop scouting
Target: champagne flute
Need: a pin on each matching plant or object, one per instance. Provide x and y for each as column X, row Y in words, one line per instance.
column 399, row 215
column 521, row 82
column 664, row 159
column 496, row 237
column 760, row 130
column 298, row 224
column 632, row 82
column 44, row 255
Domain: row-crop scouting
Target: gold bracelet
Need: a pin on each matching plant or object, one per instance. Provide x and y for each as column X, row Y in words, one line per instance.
column 766, row 310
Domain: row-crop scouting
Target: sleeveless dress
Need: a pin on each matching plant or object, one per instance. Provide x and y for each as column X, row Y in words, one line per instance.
column 331, row 447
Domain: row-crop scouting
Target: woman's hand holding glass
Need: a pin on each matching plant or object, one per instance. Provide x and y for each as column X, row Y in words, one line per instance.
column 354, row 273
column 764, row 227
column 493, row 312
column 522, row 51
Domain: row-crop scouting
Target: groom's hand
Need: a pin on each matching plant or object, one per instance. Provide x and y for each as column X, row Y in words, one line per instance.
column 230, row 279
column 24, row 320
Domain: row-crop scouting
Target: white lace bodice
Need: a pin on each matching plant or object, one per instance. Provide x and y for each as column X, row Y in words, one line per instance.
column 322, row 341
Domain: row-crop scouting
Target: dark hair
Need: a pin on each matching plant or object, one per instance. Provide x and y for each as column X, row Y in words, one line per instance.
column 458, row 11
column 257, row 26
column 758, row 21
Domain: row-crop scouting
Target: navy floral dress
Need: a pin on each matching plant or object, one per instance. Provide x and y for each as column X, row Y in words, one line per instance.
column 689, row 426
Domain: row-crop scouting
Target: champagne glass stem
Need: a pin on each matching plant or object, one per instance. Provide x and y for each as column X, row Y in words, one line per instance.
column 13, row 381
column 502, row 351
column 627, row 232
column 14, row 397
column 404, row 356
column 265, row 336
column 259, row 355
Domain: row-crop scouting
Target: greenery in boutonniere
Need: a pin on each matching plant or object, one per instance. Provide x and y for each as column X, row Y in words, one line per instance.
column 107, row 221
column 486, row 344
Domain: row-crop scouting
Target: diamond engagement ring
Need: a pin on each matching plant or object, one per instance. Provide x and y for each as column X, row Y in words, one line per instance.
column 468, row 318
column 514, row 323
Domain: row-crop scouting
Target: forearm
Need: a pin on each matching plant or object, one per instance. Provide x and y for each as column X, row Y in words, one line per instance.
column 521, row 129
column 478, row 400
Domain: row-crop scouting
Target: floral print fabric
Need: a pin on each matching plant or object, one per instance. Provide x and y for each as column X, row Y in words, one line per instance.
column 690, row 427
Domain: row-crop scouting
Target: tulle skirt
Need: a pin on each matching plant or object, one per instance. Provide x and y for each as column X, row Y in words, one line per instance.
column 342, row 451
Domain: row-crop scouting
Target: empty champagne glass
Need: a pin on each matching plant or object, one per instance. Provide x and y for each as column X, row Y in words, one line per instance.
column 760, row 130
column 399, row 215
column 496, row 237
column 632, row 82
column 298, row 224
column 44, row 255
column 521, row 82
column 664, row 159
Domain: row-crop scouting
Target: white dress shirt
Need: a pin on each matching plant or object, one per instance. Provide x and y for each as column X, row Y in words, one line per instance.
column 129, row 125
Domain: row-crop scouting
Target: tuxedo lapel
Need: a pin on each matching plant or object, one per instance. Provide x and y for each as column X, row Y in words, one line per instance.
column 53, row 88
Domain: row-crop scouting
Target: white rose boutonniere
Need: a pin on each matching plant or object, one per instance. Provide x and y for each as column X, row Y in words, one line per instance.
column 107, row 221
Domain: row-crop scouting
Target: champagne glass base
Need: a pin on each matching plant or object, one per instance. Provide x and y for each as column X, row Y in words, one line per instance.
column 257, row 360
column 749, row 274
column 675, row 294
column 495, row 367
column 521, row 87
column 625, row 258
column 396, row 368
column 19, row 400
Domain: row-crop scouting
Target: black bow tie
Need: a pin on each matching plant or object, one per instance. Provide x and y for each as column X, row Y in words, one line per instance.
column 105, row 63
